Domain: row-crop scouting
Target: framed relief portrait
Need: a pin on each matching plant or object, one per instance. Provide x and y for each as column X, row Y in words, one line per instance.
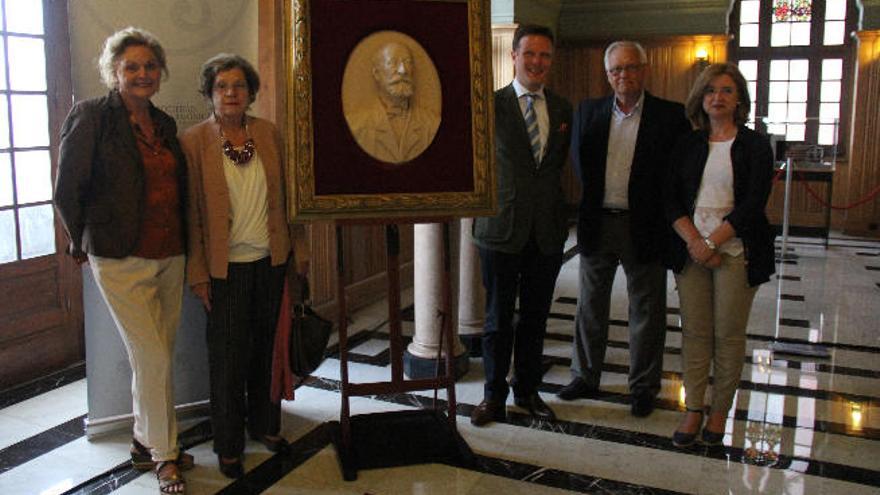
column 389, row 109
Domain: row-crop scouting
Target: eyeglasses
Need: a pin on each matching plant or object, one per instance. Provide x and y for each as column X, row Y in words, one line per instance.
column 620, row 69
column 236, row 86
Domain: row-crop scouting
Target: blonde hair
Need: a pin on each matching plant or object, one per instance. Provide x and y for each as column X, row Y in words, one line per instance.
column 115, row 45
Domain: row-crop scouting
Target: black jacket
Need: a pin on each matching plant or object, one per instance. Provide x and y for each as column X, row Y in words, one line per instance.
column 662, row 123
column 752, row 160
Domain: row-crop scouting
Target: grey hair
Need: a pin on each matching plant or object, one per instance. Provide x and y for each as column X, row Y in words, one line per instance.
column 221, row 63
column 635, row 45
column 115, row 45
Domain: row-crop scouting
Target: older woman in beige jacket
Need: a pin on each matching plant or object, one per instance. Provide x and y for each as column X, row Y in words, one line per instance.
column 239, row 245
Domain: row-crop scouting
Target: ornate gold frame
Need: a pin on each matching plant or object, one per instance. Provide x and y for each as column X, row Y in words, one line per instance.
column 304, row 204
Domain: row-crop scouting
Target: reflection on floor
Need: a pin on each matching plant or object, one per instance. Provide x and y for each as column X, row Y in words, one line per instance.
column 801, row 424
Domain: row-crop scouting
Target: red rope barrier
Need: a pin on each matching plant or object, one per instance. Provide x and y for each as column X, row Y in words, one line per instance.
column 869, row 197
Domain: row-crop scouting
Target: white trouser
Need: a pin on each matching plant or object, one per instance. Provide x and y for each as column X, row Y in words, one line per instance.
column 145, row 298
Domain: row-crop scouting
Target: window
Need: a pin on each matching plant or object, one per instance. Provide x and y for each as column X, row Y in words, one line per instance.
column 795, row 55
column 26, row 216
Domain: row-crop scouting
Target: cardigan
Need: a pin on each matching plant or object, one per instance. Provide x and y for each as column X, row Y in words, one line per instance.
column 752, row 160
column 208, row 254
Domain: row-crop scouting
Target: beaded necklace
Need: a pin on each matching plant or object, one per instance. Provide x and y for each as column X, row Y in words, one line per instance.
column 242, row 156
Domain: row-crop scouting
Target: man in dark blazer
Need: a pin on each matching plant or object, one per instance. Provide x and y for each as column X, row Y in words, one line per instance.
column 521, row 247
column 619, row 149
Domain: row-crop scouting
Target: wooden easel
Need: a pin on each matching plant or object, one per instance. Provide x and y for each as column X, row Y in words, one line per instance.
column 405, row 437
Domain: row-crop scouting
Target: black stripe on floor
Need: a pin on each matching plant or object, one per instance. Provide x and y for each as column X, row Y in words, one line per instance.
column 788, row 390
column 270, row 472
column 794, row 322
column 646, row 440
column 42, row 385
column 124, row 473
column 750, row 336
column 30, row 448
column 382, row 359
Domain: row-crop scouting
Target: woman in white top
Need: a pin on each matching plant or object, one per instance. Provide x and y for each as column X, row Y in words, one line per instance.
column 239, row 246
column 719, row 182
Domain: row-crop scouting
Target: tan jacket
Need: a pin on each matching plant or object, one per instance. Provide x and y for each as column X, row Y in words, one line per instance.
column 208, row 214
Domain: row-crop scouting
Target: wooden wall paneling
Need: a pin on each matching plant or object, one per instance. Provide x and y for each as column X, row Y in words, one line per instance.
column 864, row 169
column 270, row 62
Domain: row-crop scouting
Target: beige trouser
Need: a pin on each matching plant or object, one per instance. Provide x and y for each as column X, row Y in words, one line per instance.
column 715, row 305
column 145, row 297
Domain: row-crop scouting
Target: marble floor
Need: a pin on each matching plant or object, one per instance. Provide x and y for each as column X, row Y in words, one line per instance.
column 801, row 424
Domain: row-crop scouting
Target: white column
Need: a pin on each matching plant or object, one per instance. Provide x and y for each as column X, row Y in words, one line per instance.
column 471, row 295
column 428, row 295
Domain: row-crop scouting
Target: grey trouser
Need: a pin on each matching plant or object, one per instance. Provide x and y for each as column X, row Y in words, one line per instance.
column 646, row 288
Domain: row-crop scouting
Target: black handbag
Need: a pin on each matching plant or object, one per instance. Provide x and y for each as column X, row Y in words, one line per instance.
column 309, row 335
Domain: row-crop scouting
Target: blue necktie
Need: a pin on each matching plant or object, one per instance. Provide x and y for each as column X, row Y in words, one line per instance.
column 532, row 127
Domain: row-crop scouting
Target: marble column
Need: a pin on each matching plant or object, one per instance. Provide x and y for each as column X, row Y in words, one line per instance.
column 420, row 357
column 471, row 295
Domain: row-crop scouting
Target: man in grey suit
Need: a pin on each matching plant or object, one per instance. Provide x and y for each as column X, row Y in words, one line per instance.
column 521, row 247
column 620, row 148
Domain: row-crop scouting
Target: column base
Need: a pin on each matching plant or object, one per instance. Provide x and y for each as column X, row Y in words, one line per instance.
column 416, row 367
column 473, row 342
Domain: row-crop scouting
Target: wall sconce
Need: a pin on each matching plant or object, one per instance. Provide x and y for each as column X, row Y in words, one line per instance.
column 702, row 58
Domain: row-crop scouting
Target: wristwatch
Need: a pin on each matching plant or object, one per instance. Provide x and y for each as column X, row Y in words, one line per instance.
column 709, row 243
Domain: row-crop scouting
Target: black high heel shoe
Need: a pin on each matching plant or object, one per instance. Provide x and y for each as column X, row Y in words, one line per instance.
column 234, row 469
column 712, row 438
column 277, row 444
column 681, row 439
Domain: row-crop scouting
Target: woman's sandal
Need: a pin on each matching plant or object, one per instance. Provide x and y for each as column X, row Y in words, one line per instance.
column 142, row 460
column 170, row 480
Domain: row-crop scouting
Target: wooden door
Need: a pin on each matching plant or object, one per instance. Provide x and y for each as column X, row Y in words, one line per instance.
column 41, row 327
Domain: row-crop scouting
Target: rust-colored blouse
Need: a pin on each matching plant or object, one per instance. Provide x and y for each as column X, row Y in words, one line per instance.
column 161, row 232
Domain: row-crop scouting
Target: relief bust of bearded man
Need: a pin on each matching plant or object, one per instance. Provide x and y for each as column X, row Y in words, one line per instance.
column 394, row 128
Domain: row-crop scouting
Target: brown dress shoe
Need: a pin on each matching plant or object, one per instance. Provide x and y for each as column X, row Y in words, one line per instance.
column 488, row 411
column 536, row 407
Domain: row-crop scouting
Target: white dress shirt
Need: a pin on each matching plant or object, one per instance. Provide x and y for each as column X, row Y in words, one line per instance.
column 622, row 137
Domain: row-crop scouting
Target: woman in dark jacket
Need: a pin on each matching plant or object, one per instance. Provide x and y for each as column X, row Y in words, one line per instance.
column 121, row 192
column 720, row 178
